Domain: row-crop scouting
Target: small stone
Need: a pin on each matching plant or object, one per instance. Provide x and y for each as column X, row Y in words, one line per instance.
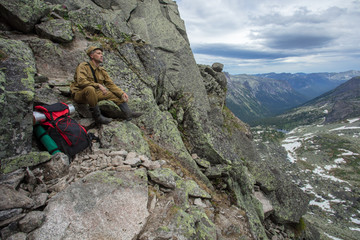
column 165, row 177
column 131, row 155
column 194, row 156
column 73, row 170
column 17, row 236
column 30, row 177
column 103, row 165
column 12, row 179
column 41, row 188
column 165, row 190
column 40, row 200
column 6, row 214
column 143, row 158
column 198, row 202
column 108, row 161
column 122, row 153
column 11, row 220
column 202, row 163
column 153, row 203
column 275, row 238
column 117, row 161
column 151, row 165
column 58, row 187
column 10, row 198
column 24, row 192
column 123, row 168
column 132, row 160
column 162, row 162
column 31, row 221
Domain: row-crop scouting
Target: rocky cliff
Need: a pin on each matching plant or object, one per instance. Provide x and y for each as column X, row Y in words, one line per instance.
column 187, row 169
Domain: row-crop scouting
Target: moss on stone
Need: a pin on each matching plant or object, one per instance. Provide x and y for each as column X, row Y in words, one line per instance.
column 108, row 177
column 19, row 52
column 195, row 224
column 258, row 208
column 26, row 160
column 124, row 135
column 141, row 173
column 163, row 229
column 231, row 122
column 191, row 188
column 301, row 226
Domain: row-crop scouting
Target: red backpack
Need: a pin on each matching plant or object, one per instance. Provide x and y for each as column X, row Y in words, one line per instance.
column 70, row 136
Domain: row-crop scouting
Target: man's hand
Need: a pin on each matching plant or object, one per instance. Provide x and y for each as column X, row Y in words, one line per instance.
column 125, row 97
column 103, row 89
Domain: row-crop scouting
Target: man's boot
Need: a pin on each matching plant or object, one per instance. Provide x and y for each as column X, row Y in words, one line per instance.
column 99, row 118
column 128, row 113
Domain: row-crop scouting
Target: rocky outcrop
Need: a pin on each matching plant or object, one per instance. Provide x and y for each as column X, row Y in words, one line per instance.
column 91, row 208
column 57, row 30
column 185, row 162
column 17, row 95
column 22, row 15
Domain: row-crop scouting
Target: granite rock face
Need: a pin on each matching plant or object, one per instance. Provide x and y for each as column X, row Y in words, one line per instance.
column 16, row 97
column 91, row 208
column 57, row 30
column 23, row 14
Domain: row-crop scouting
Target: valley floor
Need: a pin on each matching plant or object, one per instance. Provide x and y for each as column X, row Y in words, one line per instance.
column 324, row 161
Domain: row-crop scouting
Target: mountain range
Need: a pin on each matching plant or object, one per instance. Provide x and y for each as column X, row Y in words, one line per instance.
column 336, row 105
column 255, row 97
column 312, row 85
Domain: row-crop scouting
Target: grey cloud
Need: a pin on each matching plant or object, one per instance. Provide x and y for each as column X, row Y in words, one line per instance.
column 234, row 51
column 297, row 41
column 302, row 16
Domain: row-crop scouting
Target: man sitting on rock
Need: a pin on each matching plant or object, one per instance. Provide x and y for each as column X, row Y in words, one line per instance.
column 93, row 84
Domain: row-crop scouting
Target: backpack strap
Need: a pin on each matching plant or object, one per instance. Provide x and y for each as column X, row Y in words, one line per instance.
column 53, row 111
column 93, row 72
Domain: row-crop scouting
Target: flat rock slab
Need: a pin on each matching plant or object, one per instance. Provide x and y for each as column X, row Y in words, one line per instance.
column 102, row 205
column 266, row 204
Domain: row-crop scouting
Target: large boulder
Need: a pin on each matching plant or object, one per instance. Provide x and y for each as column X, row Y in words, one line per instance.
column 23, row 14
column 123, row 135
column 289, row 201
column 103, row 205
column 165, row 177
column 57, row 30
column 108, row 22
column 17, row 72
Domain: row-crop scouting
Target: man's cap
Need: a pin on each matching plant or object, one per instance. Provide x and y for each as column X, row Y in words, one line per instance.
column 92, row 48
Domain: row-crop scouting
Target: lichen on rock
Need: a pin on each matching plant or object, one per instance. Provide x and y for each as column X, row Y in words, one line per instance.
column 57, row 30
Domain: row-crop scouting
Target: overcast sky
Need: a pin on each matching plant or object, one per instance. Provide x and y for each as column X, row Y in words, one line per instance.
column 259, row 36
